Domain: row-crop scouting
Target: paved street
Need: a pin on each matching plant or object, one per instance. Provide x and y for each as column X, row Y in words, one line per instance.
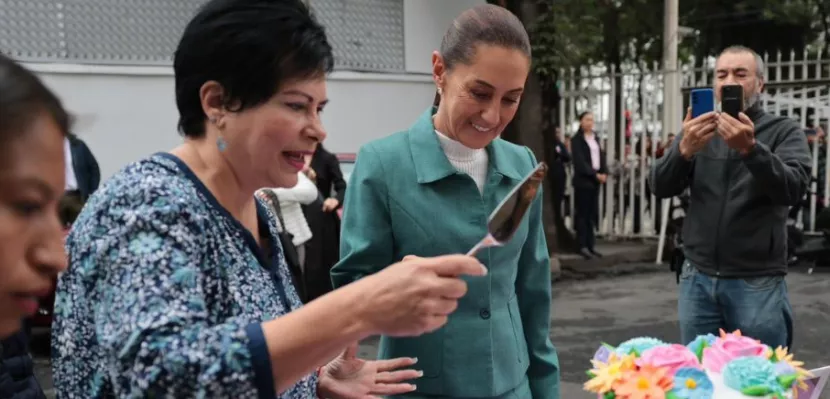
column 616, row 308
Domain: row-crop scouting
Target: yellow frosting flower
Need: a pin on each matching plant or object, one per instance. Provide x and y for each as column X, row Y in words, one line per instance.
column 782, row 355
column 606, row 374
column 646, row 383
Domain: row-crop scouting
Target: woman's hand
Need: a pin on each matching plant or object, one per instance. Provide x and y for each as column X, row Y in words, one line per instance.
column 310, row 173
column 330, row 204
column 416, row 295
column 349, row 377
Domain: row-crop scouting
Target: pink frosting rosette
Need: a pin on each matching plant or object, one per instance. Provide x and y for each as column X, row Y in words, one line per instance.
column 728, row 347
column 670, row 357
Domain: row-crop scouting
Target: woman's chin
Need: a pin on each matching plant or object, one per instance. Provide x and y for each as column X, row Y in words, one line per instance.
column 284, row 180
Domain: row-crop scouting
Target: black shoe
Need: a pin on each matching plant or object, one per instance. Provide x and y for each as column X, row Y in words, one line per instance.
column 586, row 253
column 595, row 253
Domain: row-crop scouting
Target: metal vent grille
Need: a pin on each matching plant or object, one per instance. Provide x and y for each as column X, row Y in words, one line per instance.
column 125, row 31
column 366, row 34
column 31, row 29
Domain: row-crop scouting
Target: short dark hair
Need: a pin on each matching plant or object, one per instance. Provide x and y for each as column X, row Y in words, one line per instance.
column 24, row 98
column 482, row 24
column 583, row 114
column 760, row 69
column 251, row 48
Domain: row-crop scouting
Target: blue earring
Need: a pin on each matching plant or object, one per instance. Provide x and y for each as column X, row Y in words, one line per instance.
column 221, row 144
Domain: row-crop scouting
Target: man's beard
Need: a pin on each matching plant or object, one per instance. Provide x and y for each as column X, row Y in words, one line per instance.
column 752, row 99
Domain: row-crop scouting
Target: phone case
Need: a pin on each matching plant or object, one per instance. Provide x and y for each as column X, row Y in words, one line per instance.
column 703, row 101
column 732, row 100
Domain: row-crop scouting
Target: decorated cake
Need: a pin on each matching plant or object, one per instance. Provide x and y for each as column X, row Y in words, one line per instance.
column 731, row 366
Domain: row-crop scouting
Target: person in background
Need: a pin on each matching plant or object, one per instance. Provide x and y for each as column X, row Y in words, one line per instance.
column 429, row 191
column 82, row 173
column 560, row 176
column 290, row 217
column 33, row 125
column 590, row 172
column 178, row 286
column 744, row 173
column 324, row 246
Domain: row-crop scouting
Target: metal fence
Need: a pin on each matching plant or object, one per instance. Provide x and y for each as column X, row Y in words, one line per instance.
column 799, row 89
column 367, row 34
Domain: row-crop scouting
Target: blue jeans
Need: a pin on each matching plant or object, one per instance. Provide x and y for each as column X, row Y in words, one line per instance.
column 758, row 306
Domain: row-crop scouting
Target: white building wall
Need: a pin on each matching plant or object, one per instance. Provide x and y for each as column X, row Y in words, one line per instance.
column 125, row 113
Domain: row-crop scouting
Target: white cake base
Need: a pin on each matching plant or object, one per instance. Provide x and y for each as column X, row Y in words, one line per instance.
column 723, row 392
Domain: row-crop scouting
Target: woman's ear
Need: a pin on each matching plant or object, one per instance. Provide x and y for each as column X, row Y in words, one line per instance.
column 212, row 98
column 438, row 69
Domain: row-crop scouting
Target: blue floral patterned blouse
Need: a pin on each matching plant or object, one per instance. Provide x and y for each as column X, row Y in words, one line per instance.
column 165, row 294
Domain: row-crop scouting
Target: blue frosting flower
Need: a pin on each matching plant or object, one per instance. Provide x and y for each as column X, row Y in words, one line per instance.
column 784, row 368
column 751, row 372
column 602, row 354
column 638, row 345
column 695, row 345
column 692, row 383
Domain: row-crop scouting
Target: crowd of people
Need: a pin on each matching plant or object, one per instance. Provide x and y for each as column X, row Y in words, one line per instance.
column 208, row 270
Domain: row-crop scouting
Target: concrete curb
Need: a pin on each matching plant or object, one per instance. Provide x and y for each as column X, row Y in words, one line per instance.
column 614, row 270
column 618, row 259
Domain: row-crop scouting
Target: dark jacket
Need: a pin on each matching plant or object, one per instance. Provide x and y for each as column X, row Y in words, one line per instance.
column 584, row 174
column 17, row 379
column 323, row 249
column 736, row 222
column 561, row 156
column 85, row 166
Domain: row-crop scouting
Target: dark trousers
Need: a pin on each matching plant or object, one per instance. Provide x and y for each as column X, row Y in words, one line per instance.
column 586, row 202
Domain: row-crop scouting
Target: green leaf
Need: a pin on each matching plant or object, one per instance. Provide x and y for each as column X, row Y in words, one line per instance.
column 757, row 390
column 671, row 395
column 787, row 381
column 609, row 395
column 700, row 349
column 609, row 347
column 590, row 374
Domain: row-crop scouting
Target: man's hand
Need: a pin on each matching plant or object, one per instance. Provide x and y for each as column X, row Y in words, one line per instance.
column 738, row 134
column 697, row 132
column 602, row 178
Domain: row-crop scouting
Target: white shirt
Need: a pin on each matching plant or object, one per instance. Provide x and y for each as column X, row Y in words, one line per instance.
column 473, row 162
column 595, row 155
column 71, row 179
column 291, row 201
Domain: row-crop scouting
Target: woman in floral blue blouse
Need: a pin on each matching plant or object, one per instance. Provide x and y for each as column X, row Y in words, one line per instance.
column 177, row 286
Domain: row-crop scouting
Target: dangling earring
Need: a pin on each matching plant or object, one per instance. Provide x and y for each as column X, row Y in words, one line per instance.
column 221, row 144
column 439, row 91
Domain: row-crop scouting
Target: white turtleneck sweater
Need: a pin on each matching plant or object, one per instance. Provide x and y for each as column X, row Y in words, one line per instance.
column 471, row 161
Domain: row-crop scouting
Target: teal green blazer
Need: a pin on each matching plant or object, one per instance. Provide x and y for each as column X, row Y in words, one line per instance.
column 405, row 198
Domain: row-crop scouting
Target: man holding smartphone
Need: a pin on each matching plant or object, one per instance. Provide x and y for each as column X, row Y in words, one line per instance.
column 744, row 170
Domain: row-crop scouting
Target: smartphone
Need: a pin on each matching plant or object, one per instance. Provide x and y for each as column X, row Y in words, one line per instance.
column 703, row 101
column 732, row 100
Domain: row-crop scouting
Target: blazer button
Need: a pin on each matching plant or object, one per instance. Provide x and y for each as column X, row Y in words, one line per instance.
column 484, row 313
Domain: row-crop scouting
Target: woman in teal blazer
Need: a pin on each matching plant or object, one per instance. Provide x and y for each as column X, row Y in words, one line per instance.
column 429, row 191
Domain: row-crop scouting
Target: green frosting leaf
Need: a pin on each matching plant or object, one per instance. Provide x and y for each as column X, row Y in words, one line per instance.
column 672, row 395
column 757, row 390
column 610, row 395
column 700, row 349
column 634, row 352
column 787, row 381
column 609, row 347
column 590, row 374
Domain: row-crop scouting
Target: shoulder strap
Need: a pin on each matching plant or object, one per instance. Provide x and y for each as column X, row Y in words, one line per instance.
column 275, row 205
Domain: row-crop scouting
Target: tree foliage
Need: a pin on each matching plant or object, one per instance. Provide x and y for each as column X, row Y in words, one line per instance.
column 574, row 33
